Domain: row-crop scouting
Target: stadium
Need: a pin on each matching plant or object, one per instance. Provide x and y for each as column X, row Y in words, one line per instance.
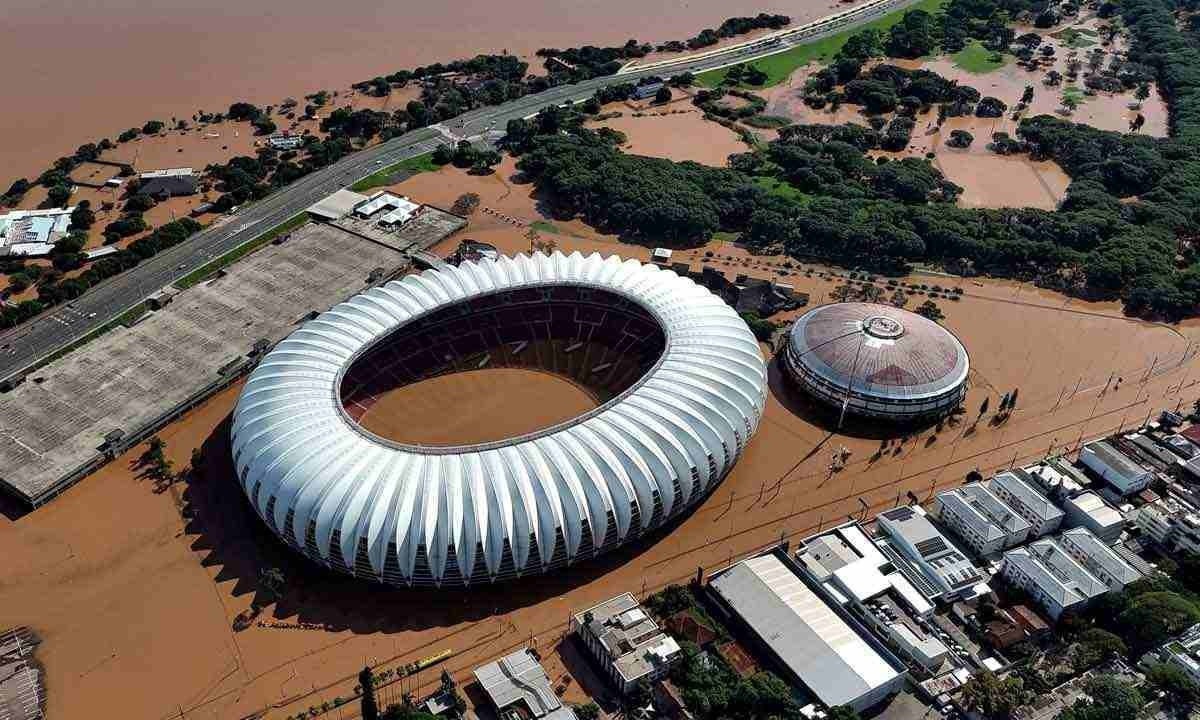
column 877, row 361
column 681, row 380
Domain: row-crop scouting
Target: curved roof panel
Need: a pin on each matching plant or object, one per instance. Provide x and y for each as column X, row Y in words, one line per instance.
column 405, row 514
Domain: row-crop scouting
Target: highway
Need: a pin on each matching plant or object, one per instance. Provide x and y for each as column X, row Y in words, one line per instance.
column 26, row 345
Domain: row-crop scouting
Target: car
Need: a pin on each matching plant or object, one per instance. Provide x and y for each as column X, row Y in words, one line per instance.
column 180, row 266
column 91, row 315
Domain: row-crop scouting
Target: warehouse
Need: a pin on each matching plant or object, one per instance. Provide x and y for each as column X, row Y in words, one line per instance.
column 815, row 642
column 1113, row 467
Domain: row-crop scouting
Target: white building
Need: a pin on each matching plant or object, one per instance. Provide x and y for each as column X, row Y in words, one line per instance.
column 981, row 519
column 815, row 642
column 1170, row 522
column 1124, row 475
column 1019, row 491
column 1090, row 511
column 1098, row 558
column 1058, row 478
column 1067, row 572
column 1053, row 578
column 32, row 233
column 626, row 642
column 387, row 209
column 914, row 541
column 519, row 681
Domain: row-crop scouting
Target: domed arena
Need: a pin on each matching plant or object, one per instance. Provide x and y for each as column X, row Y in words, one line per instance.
column 877, row 361
column 680, row 386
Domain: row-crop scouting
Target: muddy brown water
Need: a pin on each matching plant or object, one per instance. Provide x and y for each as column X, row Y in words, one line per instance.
column 88, row 70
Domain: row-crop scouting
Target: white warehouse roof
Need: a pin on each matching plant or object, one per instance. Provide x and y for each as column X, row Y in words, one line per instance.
column 407, row 514
column 824, row 651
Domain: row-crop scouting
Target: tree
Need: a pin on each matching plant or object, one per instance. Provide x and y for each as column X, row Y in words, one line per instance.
column 663, row 96
column 154, row 451
column 587, row 711
column 153, row 127
column 1107, row 698
column 899, row 298
column 843, row 293
column 466, row 204
column 82, row 216
column 755, row 76
column 1053, row 78
column 1070, row 102
column 1095, row 646
column 1027, row 95
column 370, row 710
column 762, row 329
column 1142, row 93
column 1172, row 681
column 960, row 139
column 841, row 712
column 993, row 698
column 929, row 309
column 1154, row 617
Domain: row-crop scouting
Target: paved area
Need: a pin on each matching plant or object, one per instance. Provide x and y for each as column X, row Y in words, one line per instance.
column 22, row 692
column 424, row 231
column 56, row 421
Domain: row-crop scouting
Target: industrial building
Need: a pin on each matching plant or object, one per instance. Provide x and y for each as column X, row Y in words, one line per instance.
column 858, row 576
column 1019, row 491
column 1066, row 573
column 518, row 683
column 174, row 182
column 1089, row 510
column 682, row 376
column 336, row 206
column 981, row 519
column 32, row 233
column 877, row 361
column 814, row 641
column 913, row 540
column 626, row 642
column 1125, row 476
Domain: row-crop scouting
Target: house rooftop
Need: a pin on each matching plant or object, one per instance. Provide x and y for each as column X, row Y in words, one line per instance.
column 1020, row 485
column 519, row 678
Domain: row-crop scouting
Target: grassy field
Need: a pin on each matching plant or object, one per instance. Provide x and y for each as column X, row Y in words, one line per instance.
column 1074, row 37
column 975, row 58
column 780, row 66
column 418, row 164
column 545, row 227
column 779, row 188
column 208, row 269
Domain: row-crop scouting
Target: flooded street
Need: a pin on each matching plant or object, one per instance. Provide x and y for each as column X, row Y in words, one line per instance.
column 82, row 71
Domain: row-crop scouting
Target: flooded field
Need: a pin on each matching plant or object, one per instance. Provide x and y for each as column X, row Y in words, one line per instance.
column 118, row 63
column 478, row 406
column 677, row 132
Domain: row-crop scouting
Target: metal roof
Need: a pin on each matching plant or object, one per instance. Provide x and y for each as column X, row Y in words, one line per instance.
column 1033, row 501
column 520, row 678
column 1055, row 572
column 302, row 460
column 816, row 643
column 1095, row 555
column 879, row 350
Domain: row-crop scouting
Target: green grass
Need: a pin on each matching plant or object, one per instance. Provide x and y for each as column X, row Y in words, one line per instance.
column 779, row 188
column 1073, row 92
column 237, row 253
column 779, row 67
column 414, row 165
column 975, row 58
column 1076, row 37
column 723, row 236
column 545, row 227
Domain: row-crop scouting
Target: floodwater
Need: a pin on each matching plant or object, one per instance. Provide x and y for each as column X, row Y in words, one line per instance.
column 476, row 406
column 81, row 71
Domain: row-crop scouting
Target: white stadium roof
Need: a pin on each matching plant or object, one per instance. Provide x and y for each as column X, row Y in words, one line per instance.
column 406, row 514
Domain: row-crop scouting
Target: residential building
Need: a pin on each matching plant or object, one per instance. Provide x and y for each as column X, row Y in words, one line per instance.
column 981, row 519
column 1020, row 492
column 1170, row 522
column 174, row 182
column 1090, row 511
column 852, row 565
column 1113, row 467
column 814, row 641
column 1183, row 652
column 913, row 540
column 519, row 682
column 1053, row 578
column 1058, row 478
column 1029, row 620
column 626, row 642
column 1098, row 558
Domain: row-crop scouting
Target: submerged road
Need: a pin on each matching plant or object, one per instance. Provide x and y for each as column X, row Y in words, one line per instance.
column 26, row 345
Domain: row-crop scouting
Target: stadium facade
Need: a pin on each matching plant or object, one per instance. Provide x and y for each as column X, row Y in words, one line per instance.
column 681, row 380
column 877, row 361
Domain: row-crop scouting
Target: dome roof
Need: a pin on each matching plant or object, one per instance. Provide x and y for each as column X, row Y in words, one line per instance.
column 879, row 350
column 416, row 514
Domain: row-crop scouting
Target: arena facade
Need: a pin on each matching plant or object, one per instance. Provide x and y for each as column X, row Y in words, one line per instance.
column 877, row 361
column 680, row 376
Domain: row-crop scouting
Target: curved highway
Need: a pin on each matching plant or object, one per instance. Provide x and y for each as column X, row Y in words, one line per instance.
column 27, row 344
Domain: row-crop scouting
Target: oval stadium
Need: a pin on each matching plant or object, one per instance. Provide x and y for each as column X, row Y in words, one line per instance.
column 680, row 386
column 877, row 361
